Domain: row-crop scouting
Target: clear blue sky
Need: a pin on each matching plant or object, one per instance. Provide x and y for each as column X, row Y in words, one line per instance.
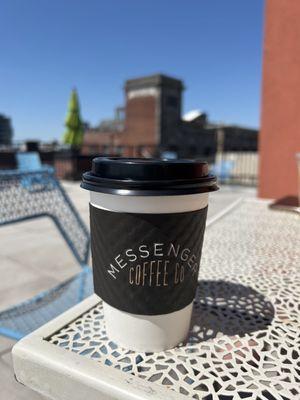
column 49, row 46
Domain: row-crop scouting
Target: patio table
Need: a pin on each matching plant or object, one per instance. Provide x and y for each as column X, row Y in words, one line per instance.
column 244, row 338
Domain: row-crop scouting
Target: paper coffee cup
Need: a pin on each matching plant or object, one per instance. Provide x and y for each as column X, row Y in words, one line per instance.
column 147, row 224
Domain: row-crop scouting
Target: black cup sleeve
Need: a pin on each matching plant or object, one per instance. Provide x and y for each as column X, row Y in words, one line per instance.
column 146, row 263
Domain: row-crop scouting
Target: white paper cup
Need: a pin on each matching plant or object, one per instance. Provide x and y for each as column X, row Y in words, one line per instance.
column 125, row 207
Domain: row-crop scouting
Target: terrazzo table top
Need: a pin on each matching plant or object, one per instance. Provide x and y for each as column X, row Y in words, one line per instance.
column 244, row 341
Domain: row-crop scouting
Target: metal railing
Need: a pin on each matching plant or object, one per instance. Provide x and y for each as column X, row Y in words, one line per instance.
column 239, row 168
column 234, row 167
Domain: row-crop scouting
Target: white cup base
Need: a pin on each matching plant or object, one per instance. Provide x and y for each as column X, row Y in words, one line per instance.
column 147, row 333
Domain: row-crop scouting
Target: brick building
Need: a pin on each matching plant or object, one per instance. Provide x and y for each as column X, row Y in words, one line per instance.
column 151, row 123
column 280, row 117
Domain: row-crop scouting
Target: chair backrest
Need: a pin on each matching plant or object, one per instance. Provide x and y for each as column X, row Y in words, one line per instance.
column 223, row 169
column 29, row 161
column 43, row 196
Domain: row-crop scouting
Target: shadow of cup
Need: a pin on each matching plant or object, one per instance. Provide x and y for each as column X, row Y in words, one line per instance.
column 226, row 308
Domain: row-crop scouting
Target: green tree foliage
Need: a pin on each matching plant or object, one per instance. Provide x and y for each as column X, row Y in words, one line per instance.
column 74, row 128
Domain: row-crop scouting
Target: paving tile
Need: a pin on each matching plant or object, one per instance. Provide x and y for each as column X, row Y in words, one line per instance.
column 17, row 293
column 10, row 389
column 13, row 274
column 49, row 255
column 226, row 196
column 12, row 238
column 5, row 345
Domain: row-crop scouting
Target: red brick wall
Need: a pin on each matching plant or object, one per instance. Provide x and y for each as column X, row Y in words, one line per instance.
column 280, row 119
column 140, row 129
column 140, row 125
column 94, row 142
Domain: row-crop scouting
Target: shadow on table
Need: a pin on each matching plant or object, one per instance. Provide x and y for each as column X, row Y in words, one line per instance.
column 225, row 308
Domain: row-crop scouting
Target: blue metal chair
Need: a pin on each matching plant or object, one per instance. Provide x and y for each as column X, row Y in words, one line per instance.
column 44, row 196
column 223, row 169
column 31, row 162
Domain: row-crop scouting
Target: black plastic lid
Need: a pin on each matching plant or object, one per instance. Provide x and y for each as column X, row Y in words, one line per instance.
column 148, row 177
